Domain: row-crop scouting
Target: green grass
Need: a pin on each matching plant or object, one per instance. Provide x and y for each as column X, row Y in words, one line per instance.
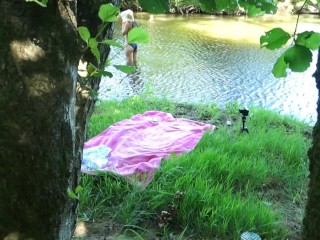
column 230, row 183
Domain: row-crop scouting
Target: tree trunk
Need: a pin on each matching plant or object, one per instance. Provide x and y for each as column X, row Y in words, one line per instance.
column 39, row 57
column 43, row 119
column 311, row 220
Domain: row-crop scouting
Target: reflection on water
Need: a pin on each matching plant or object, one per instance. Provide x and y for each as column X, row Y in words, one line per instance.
column 135, row 81
column 121, row 85
column 212, row 59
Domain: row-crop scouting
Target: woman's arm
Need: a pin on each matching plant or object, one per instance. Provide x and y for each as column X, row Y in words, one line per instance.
column 126, row 26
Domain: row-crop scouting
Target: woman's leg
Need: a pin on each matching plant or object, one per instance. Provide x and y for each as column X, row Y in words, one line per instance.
column 129, row 55
column 135, row 57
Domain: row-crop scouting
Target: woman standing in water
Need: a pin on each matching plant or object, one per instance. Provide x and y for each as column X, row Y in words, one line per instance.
column 131, row 49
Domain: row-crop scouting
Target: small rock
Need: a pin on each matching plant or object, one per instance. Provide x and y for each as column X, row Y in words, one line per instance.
column 268, row 203
column 228, row 123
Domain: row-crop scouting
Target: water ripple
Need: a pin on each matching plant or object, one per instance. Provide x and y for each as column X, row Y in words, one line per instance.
column 187, row 65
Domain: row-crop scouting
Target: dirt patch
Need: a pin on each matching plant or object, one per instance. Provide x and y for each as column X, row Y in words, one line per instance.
column 107, row 230
column 103, row 230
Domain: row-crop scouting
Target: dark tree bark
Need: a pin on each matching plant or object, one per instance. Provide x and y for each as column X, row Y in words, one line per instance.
column 43, row 116
column 311, row 220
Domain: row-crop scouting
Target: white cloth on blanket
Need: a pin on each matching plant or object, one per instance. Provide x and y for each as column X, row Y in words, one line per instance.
column 95, row 157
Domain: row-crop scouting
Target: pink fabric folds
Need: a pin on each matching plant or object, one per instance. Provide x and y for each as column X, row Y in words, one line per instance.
column 138, row 144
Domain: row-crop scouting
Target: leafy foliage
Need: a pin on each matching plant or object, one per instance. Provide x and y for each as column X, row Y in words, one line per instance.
column 298, row 57
column 125, row 69
column 93, row 44
column 84, row 33
column 227, row 5
column 155, row 6
column 253, row 11
column 95, row 72
column 180, row 4
column 138, row 35
column 258, row 7
column 208, row 6
column 108, row 12
column 253, row 7
column 279, row 68
column 218, row 6
column 71, row 194
column 309, row 39
column 112, row 43
column 274, row 39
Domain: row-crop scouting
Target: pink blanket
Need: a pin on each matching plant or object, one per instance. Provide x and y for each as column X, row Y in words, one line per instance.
column 138, row 144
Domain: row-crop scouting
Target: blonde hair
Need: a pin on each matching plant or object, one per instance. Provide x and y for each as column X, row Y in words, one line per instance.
column 127, row 15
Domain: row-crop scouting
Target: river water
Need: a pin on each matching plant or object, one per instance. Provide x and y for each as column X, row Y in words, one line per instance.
column 215, row 59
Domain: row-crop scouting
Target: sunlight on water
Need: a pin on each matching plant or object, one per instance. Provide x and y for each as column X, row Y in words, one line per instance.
column 212, row 59
column 237, row 29
column 245, row 29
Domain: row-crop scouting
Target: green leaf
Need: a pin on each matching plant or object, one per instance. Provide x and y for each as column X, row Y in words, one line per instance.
column 279, row 68
column 78, row 189
column 228, row 6
column 108, row 12
column 84, row 33
column 138, row 35
column 298, row 57
column 310, row 40
column 93, row 94
column 112, row 43
column 102, row 73
column 95, row 72
column 267, row 6
column 208, row 6
column 107, row 74
column 93, row 44
column 42, row 3
column 253, row 11
column 274, row 39
column 125, row 68
column 155, row 6
column 96, row 53
column 107, row 63
column 91, row 69
column 71, row 194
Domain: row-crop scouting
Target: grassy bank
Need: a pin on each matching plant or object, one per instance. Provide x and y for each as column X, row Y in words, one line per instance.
column 230, row 183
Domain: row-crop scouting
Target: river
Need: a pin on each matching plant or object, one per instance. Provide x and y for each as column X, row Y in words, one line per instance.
column 215, row 59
